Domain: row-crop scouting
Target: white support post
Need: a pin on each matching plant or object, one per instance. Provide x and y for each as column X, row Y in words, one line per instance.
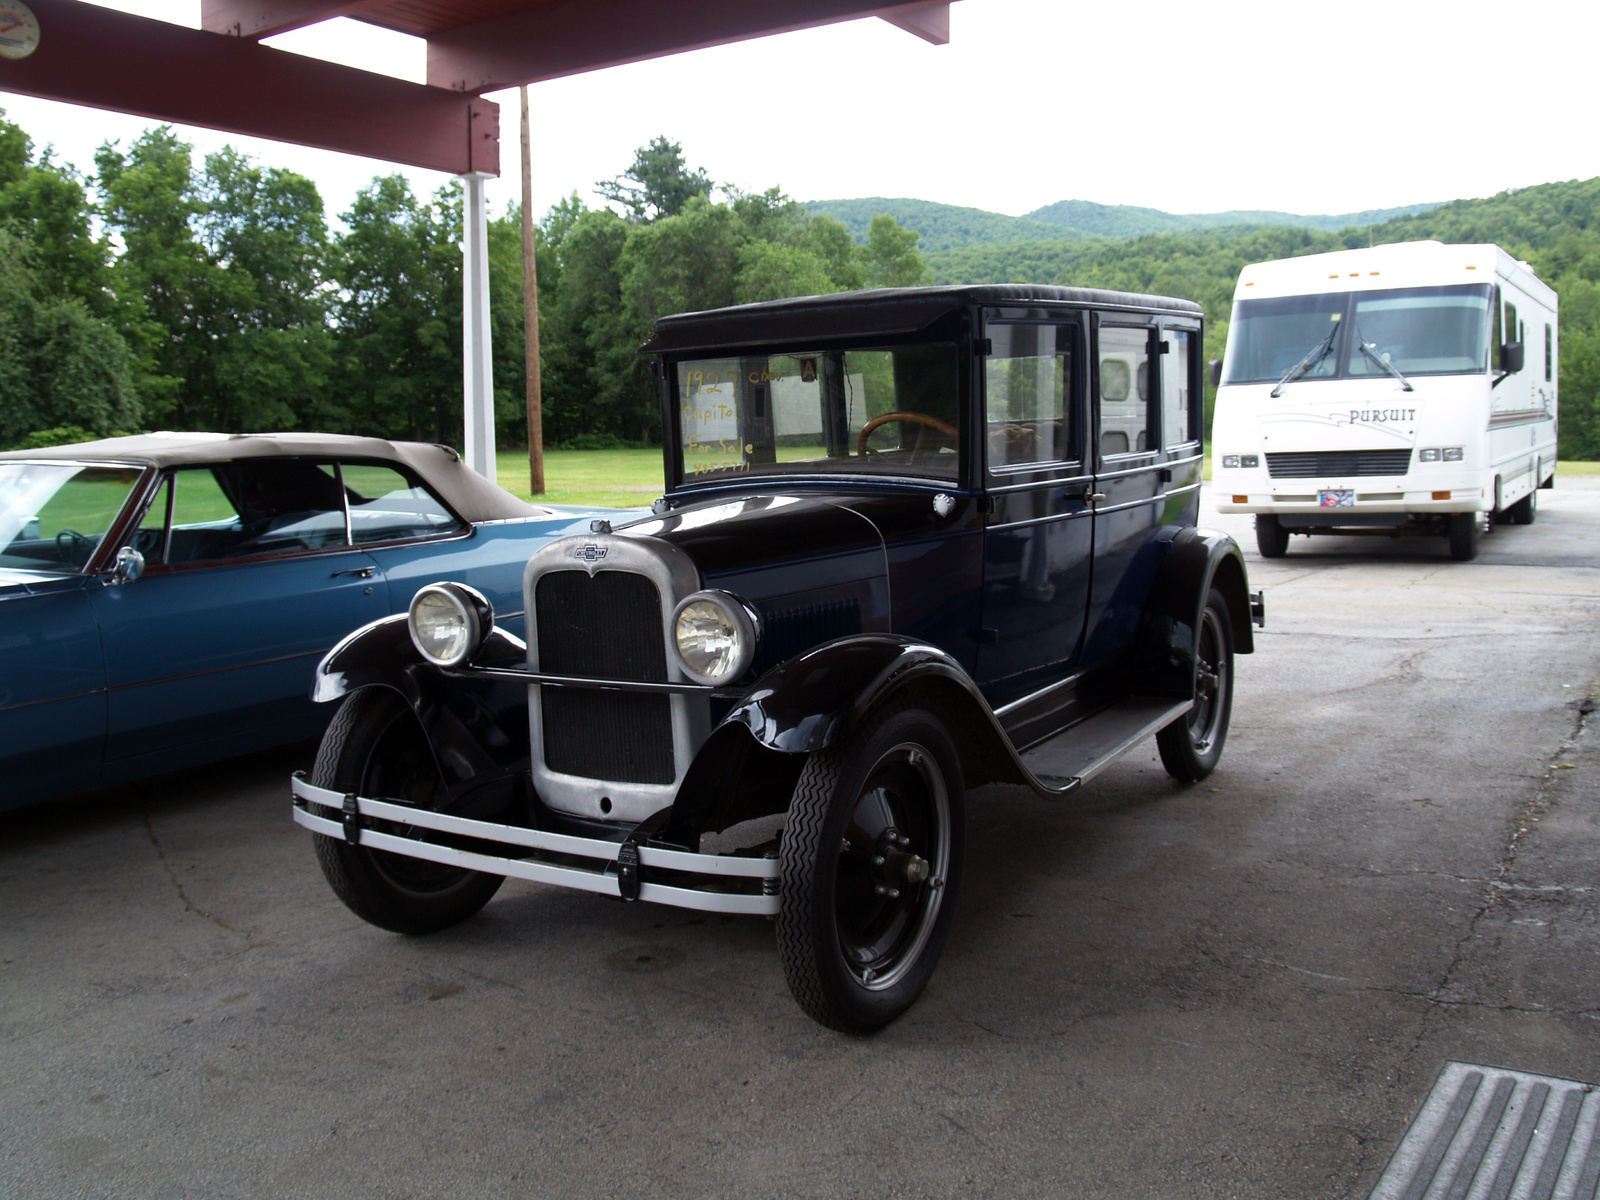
column 477, row 362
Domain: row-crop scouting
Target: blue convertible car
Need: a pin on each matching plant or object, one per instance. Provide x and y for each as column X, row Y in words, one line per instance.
column 164, row 599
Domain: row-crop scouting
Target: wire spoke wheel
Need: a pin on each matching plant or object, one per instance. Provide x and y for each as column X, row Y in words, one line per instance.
column 869, row 863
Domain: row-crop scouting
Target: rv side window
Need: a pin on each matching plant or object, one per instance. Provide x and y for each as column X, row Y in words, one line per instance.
column 1511, row 323
column 1124, row 368
column 1177, row 389
column 1549, row 354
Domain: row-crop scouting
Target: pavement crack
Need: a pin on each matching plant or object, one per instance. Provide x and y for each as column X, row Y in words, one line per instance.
column 177, row 884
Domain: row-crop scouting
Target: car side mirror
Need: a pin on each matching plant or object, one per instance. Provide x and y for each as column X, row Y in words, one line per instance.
column 1216, row 372
column 1511, row 357
column 129, row 565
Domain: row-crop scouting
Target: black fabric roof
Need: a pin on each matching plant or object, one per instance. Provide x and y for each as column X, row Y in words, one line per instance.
column 882, row 311
column 464, row 490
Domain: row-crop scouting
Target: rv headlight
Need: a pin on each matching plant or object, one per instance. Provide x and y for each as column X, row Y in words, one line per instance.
column 448, row 622
column 1250, row 460
column 1431, row 455
column 715, row 635
column 1230, row 461
column 1454, row 453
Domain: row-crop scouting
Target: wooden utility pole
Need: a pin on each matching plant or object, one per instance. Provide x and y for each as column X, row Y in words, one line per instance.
column 530, row 311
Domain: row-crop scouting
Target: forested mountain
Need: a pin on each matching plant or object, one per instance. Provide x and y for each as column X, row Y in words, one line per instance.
column 1122, row 220
column 940, row 226
column 947, row 227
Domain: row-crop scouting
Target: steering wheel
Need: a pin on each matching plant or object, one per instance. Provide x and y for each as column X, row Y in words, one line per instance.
column 75, row 539
column 916, row 418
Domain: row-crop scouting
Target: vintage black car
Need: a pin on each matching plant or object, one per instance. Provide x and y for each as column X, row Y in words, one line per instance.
column 912, row 541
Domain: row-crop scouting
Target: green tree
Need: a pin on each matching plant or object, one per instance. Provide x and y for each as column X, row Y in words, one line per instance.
column 658, row 184
column 398, row 316
column 890, row 257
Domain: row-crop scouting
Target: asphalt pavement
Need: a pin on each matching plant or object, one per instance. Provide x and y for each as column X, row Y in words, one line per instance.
column 1242, row 988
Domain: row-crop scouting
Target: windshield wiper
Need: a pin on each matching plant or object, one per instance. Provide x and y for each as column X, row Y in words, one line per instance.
column 1371, row 351
column 1318, row 353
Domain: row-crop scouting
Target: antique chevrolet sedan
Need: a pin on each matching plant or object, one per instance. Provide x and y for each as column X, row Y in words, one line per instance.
column 912, row 541
column 164, row 599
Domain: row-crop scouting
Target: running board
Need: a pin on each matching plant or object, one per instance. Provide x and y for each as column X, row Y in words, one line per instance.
column 1077, row 755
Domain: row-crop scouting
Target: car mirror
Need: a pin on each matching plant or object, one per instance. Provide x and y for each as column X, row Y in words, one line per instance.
column 1511, row 357
column 1216, row 372
column 129, row 566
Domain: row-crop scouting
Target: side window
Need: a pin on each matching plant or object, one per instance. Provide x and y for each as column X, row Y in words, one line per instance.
column 1124, row 369
column 1178, row 424
column 387, row 505
column 1028, row 379
column 1549, row 354
column 254, row 506
column 150, row 538
column 1512, row 332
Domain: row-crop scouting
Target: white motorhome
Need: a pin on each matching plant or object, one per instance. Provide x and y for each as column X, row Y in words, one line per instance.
column 1403, row 388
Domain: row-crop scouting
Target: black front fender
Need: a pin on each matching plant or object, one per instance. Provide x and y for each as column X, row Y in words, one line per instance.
column 476, row 726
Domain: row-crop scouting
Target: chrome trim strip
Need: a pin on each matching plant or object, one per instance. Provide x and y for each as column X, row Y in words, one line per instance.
column 1085, row 511
column 467, row 670
column 99, row 691
column 259, row 662
column 1012, row 705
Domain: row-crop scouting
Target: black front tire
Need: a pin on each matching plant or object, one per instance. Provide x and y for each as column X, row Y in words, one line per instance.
column 1192, row 745
column 1272, row 539
column 376, row 748
column 1464, row 536
column 870, row 863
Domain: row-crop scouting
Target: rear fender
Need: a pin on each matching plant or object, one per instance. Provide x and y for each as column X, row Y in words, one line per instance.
column 1197, row 560
column 475, row 727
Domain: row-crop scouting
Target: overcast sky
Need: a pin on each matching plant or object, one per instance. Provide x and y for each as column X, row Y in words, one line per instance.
column 1235, row 104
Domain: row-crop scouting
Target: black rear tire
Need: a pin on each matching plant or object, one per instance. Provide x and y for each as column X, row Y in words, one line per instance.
column 870, row 863
column 1272, row 539
column 1524, row 511
column 376, row 748
column 1192, row 745
column 1464, row 536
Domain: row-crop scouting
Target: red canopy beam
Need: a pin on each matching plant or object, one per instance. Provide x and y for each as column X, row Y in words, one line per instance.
column 568, row 38
column 263, row 18
column 112, row 60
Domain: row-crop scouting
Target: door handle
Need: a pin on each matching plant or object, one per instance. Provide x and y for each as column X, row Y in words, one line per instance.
column 358, row 572
column 1096, row 498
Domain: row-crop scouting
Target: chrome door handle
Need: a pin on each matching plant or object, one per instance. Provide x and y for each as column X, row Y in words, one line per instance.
column 358, row 572
column 1096, row 497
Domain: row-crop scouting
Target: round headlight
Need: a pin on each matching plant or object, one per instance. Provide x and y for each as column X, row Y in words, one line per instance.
column 448, row 622
column 715, row 636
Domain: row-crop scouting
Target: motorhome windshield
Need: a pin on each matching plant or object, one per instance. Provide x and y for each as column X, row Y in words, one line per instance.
column 1417, row 331
column 878, row 411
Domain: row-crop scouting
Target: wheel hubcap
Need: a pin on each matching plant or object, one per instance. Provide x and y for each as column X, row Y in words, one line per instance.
column 1210, row 683
column 892, row 861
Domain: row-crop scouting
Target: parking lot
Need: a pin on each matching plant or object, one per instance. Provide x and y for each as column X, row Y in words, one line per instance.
column 1242, row 988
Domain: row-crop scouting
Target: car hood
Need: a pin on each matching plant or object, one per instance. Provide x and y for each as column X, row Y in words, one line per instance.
column 750, row 532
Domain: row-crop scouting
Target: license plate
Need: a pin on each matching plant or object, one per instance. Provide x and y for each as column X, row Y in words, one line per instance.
column 1337, row 498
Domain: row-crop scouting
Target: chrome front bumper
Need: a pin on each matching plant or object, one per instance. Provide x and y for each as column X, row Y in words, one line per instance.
column 620, row 869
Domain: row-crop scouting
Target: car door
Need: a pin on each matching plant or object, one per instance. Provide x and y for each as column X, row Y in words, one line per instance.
column 1040, row 537
column 250, row 580
column 1128, row 465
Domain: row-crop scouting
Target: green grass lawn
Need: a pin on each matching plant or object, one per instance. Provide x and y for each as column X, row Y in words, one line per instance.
column 606, row 478
column 632, row 478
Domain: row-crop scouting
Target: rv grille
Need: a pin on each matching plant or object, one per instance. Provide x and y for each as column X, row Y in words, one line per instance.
column 605, row 626
column 1319, row 464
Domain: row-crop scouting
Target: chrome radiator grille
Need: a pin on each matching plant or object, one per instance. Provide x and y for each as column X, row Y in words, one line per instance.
column 1318, row 464
column 605, row 626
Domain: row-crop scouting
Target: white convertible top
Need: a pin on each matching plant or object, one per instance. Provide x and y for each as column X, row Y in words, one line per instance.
column 471, row 495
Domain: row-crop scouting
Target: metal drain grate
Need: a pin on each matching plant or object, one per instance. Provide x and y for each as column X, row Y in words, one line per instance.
column 1488, row 1134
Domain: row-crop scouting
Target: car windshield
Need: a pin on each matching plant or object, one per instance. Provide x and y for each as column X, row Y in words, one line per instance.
column 876, row 411
column 1417, row 331
column 53, row 515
